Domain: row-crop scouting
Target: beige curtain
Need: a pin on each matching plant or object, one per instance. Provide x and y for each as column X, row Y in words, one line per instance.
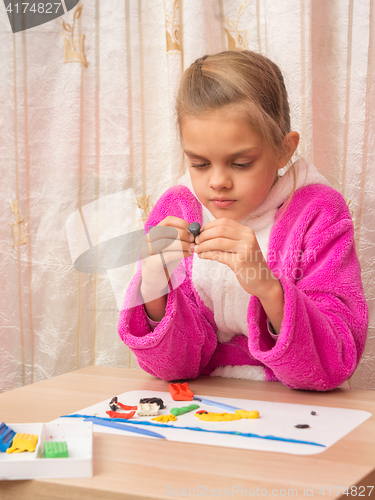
column 87, row 111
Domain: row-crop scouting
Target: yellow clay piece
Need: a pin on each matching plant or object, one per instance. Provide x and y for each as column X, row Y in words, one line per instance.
column 247, row 414
column 165, row 418
column 23, row 442
column 227, row 417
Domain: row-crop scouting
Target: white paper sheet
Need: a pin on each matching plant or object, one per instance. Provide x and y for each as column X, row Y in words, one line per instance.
column 327, row 427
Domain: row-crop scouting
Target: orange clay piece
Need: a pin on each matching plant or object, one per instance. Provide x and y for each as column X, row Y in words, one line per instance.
column 117, row 414
column 126, row 407
column 180, row 392
column 226, row 417
column 165, row 418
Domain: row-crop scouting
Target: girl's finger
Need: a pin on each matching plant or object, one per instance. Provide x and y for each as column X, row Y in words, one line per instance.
column 162, row 232
column 180, row 225
column 155, row 247
column 231, row 233
column 168, row 232
column 163, row 245
column 172, row 252
column 175, row 256
column 221, row 222
column 223, row 245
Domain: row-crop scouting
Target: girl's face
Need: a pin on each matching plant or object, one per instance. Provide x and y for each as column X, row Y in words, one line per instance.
column 231, row 169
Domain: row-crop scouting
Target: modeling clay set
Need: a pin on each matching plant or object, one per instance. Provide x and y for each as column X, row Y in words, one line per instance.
column 29, row 451
column 182, row 416
column 63, row 448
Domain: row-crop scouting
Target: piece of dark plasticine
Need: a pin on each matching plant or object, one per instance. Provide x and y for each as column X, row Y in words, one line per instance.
column 113, row 403
column 158, row 401
column 195, row 229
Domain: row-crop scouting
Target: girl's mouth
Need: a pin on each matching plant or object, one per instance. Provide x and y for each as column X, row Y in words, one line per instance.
column 223, row 203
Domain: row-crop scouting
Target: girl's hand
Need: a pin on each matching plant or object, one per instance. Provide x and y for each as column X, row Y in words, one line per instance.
column 162, row 250
column 227, row 241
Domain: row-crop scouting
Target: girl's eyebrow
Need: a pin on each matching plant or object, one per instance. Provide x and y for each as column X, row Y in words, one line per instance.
column 233, row 155
column 190, row 153
column 246, row 151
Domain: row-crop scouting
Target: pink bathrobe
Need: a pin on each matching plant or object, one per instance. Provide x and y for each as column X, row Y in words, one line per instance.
column 312, row 253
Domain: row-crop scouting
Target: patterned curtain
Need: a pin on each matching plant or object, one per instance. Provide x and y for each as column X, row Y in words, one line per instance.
column 87, row 111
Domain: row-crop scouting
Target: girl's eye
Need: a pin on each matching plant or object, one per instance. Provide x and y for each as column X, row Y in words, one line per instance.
column 199, row 165
column 238, row 165
column 242, row 165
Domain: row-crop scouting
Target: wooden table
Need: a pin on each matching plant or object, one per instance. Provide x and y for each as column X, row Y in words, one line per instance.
column 136, row 468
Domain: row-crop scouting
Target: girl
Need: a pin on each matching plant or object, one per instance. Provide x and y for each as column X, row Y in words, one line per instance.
column 271, row 288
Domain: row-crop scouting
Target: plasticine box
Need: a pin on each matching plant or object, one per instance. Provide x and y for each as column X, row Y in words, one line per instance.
column 79, row 439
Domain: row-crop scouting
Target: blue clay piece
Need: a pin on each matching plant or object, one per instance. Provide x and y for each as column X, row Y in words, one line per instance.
column 6, row 437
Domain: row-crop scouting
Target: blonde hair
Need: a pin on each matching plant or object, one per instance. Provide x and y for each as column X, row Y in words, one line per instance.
column 248, row 81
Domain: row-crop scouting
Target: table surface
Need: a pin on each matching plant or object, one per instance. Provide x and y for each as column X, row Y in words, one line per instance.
column 136, row 468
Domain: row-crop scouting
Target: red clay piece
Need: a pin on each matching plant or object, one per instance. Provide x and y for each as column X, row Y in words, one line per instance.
column 180, row 392
column 126, row 407
column 116, row 414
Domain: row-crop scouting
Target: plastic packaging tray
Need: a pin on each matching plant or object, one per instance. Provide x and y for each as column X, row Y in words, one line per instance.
column 79, row 438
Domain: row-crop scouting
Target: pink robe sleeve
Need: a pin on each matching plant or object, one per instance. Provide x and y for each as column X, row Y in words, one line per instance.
column 324, row 329
column 181, row 345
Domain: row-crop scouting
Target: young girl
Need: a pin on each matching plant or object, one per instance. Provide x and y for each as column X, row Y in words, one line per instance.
column 272, row 286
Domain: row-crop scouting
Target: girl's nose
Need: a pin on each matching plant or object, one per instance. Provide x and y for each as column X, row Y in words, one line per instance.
column 220, row 179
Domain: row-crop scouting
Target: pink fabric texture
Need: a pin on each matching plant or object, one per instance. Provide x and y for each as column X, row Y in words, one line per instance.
column 312, row 253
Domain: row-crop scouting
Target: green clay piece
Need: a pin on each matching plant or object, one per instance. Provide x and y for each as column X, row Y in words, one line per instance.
column 55, row 449
column 185, row 409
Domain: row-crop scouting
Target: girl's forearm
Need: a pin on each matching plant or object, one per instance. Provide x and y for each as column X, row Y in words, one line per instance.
column 155, row 300
column 273, row 305
column 155, row 308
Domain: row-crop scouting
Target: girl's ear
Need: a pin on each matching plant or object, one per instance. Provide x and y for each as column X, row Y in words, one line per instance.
column 290, row 143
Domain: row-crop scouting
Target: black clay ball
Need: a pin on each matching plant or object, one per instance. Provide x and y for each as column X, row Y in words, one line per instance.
column 194, row 228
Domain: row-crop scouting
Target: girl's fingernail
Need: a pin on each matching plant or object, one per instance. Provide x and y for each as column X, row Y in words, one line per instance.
column 196, row 248
column 191, row 237
column 191, row 247
column 197, row 239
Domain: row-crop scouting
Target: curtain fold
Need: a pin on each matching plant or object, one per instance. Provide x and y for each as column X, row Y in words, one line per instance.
column 87, row 111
